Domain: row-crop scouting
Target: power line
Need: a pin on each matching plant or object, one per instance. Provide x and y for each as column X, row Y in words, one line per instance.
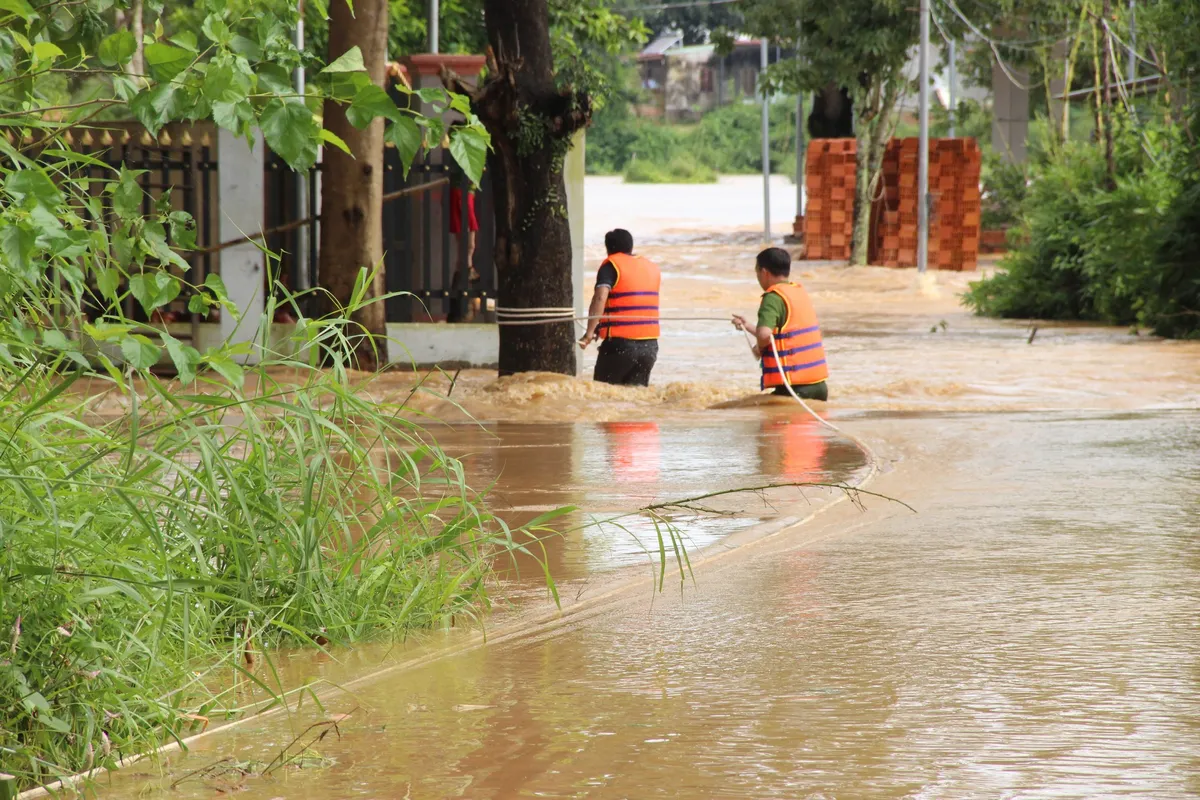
column 698, row 4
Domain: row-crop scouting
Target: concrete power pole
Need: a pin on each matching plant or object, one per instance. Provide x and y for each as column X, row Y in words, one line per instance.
column 434, row 16
column 923, row 156
column 303, row 268
column 766, row 141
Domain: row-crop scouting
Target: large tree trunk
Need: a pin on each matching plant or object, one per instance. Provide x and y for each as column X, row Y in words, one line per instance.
column 832, row 115
column 531, row 122
column 872, row 130
column 352, row 188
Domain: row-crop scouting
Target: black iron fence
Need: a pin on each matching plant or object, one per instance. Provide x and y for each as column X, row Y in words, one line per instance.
column 427, row 241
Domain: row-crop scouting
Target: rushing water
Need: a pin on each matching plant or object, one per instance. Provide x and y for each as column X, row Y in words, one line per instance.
column 1033, row 630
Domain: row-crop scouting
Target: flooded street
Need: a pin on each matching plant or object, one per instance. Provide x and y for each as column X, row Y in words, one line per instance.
column 1031, row 631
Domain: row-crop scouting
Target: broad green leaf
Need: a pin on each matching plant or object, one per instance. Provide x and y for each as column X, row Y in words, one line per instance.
column 371, row 102
column 433, row 95
column 55, row 340
column 139, row 352
column 197, row 304
column 462, row 104
column 227, row 368
column 216, row 30
column 185, row 357
column 19, row 7
column 125, row 87
column 246, row 47
column 291, row 131
column 435, row 131
column 214, row 283
column 349, row 61
column 335, row 140
column 108, row 281
column 157, row 107
column 406, row 135
column 33, row 185
column 183, row 230
column 104, row 331
column 165, row 60
column 345, row 86
column 46, row 51
column 233, row 116
column 274, row 79
column 469, row 146
column 117, row 49
column 127, row 195
column 154, row 289
column 187, row 40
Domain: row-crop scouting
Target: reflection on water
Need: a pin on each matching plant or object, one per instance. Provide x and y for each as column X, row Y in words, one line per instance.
column 1008, row 641
column 611, row 469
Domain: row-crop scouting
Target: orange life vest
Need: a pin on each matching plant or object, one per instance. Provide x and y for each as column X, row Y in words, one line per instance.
column 632, row 308
column 798, row 341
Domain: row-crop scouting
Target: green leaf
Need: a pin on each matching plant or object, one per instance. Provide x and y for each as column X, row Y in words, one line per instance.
column 291, row 131
column 246, row 47
column 33, row 185
column 55, row 340
column 462, row 104
column 274, row 79
column 117, row 49
column 108, row 281
column 154, row 289
column 166, row 61
column 197, row 304
column 227, row 368
column 369, row 103
column 139, row 352
column 213, row 282
column 185, row 357
column 127, row 195
column 125, row 87
column 216, row 30
column 335, row 140
column 19, row 7
column 406, row 135
column 233, row 116
column 469, row 146
column 156, row 107
column 433, row 95
column 46, row 51
column 186, row 40
column 349, row 61
column 183, row 230
column 435, row 131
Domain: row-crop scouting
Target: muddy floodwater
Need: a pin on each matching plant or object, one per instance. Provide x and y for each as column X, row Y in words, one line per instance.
column 1029, row 628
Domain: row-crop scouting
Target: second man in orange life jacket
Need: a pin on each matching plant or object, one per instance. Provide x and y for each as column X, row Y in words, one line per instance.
column 786, row 316
column 624, row 313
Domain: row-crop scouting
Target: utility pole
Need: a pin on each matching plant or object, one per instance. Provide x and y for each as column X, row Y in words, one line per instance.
column 800, row 160
column 766, row 140
column 303, row 271
column 953, row 90
column 1132, row 43
column 923, row 156
column 433, row 26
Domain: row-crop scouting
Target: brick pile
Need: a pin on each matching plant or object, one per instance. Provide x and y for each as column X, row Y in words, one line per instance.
column 954, row 235
column 829, row 211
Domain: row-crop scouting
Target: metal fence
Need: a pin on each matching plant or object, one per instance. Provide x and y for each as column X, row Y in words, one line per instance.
column 425, row 252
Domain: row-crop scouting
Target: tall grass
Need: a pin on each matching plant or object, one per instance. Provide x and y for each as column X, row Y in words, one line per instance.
column 148, row 557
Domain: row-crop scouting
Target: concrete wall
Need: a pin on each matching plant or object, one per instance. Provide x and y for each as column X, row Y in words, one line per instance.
column 423, row 345
column 1010, row 125
column 573, row 175
column 240, row 189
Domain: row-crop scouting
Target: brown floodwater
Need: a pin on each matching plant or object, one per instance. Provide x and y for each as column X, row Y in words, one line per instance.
column 1032, row 630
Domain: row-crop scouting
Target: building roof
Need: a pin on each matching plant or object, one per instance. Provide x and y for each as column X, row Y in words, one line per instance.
column 659, row 47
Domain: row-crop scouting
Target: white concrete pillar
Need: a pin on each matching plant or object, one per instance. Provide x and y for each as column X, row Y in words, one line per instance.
column 241, row 209
column 1010, row 104
column 573, row 175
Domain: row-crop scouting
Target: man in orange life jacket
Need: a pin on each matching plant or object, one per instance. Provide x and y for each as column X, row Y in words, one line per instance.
column 786, row 315
column 624, row 312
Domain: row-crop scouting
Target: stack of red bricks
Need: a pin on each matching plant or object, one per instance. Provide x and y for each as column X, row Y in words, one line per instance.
column 955, row 206
column 829, row 211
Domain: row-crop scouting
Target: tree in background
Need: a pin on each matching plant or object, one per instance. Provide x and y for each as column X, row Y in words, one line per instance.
column 695, row 21
column 542, row 78
column 863, row 45
column 352, row 180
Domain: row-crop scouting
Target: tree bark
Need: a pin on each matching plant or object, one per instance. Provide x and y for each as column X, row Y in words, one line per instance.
column 832, row 115
column 872, row 136
column 1106, row 69
column 532, row 122
column 352, row 189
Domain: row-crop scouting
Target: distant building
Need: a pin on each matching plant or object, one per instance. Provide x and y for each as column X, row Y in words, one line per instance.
column 682, row 82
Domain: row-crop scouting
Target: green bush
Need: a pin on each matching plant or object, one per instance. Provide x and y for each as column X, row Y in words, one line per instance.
column 1123, row 254
column 677, row 170
column 726, row 141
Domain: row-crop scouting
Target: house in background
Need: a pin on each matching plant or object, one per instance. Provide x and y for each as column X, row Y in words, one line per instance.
column 682, row 82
